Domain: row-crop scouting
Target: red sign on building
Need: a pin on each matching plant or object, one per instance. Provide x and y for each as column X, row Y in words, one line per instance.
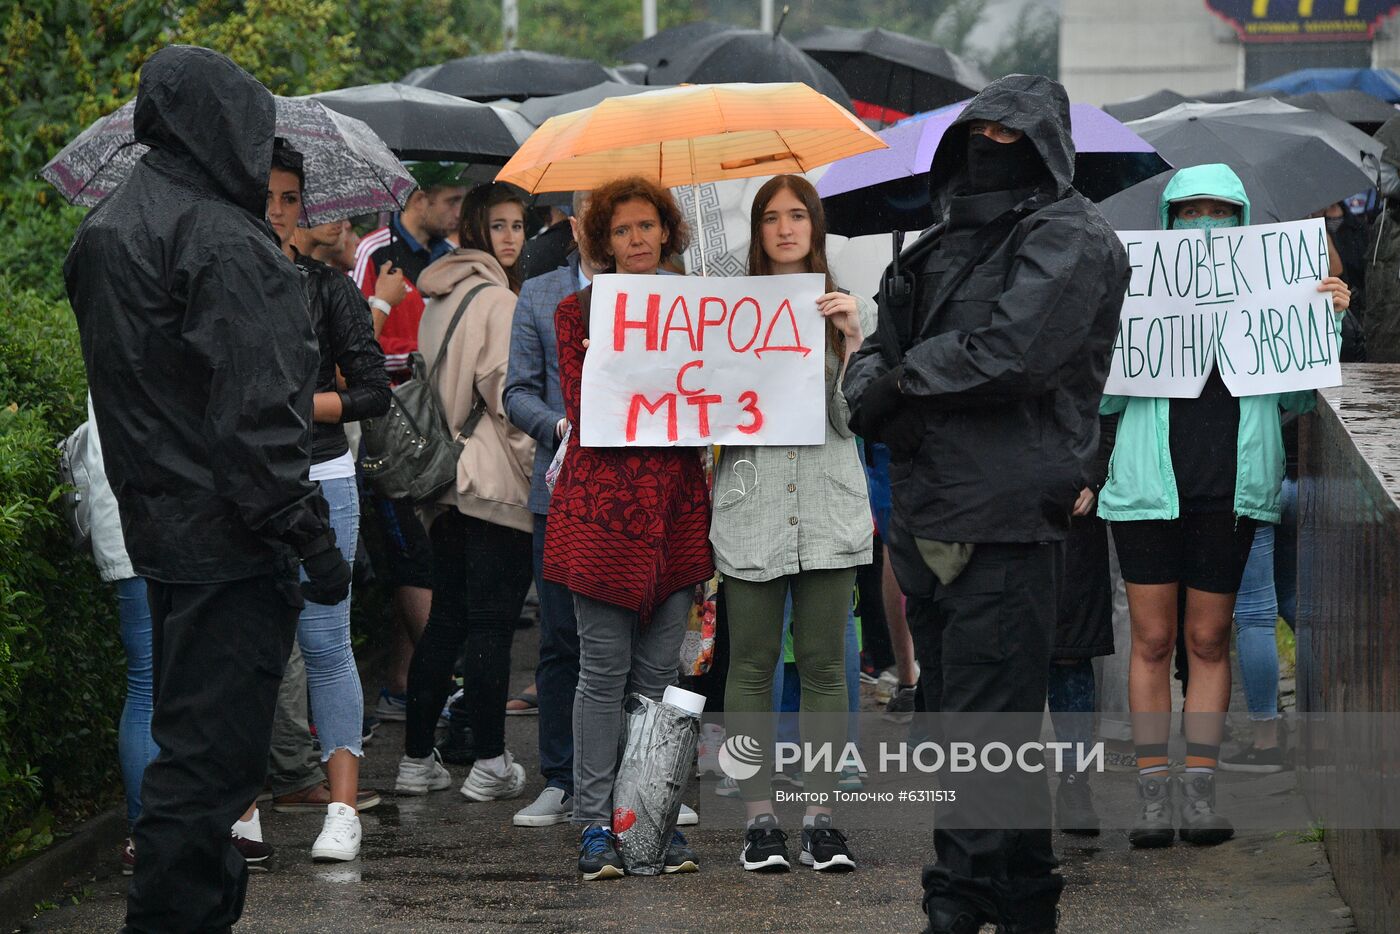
column 1303, row 20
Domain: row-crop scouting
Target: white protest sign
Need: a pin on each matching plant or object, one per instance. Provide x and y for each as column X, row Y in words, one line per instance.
column 1243, row 299
column 682, row 360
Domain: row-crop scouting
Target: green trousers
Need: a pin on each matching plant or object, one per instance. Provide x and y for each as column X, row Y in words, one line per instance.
column 821, row 603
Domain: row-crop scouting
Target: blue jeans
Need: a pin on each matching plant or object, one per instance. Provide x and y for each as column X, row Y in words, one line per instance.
column 1071, row 698
column 323, row 632
column 556, row 674
column 135, row 748
column 1256, row 615
column 1286, row 553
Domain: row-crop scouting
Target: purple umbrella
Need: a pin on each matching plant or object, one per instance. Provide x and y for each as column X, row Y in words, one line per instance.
column 887, row 189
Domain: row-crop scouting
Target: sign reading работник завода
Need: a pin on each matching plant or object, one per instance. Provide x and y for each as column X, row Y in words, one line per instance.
column 1244, row 300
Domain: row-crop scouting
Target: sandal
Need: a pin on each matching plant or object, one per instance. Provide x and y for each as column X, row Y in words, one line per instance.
column 524, row 704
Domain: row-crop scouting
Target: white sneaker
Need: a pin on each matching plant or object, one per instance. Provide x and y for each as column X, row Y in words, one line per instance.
column 687, row 817
column 482, row 784
column 340, row 835
column 420, row 776
column 885, row 686
column 552, row 806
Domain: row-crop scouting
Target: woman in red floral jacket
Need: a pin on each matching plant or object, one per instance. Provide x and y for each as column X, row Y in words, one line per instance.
column 628, row 533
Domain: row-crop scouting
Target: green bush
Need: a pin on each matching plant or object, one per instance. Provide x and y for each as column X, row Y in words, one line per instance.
column 62, row 674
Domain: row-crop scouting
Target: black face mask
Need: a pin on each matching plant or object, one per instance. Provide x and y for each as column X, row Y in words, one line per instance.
column 993, row 166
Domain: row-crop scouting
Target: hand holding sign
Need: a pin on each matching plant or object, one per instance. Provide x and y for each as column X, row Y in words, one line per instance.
column 678, row 360
column 1256, row 302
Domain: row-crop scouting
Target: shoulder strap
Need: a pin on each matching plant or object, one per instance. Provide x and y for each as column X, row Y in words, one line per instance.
column 983, row 243
column 451, row 327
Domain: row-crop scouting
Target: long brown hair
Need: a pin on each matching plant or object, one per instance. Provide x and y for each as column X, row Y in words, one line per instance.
column 761, row 264
column 474, row 232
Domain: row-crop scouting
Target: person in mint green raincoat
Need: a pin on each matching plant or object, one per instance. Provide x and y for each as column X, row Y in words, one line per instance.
column 1188, row 481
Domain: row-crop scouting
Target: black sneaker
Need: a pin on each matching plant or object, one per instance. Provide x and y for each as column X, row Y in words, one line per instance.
column 1074, row 806
column 256, row 854
column 765, row 847
column 1253, row 759
column 458, row 748
column 679, row 856
column 825, row 849
column 900, row 708
column 950, row 916
column 597, row 855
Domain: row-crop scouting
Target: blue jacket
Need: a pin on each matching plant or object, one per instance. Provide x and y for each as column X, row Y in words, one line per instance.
column 532, row 398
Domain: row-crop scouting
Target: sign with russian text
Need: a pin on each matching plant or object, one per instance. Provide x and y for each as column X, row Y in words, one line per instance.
column 1240, row 299
column 1303, row 20
column 684, row 360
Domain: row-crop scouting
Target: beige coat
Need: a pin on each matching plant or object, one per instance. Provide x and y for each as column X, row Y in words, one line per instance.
column 493, row 473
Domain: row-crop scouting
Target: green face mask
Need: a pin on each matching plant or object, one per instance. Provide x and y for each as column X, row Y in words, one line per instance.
column 1205, row 223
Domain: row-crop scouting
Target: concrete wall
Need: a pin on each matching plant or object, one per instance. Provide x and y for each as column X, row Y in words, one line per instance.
column 1112, row 50
column 1348, row 624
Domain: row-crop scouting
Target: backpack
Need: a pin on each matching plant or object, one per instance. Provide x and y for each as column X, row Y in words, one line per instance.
column 74, row 475
column 410, row 452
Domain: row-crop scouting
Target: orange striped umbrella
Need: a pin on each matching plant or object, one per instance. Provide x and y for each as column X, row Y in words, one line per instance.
column 687, row 135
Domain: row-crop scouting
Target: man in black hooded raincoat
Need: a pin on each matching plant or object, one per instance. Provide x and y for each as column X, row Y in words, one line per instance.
column 201, row 361
column 984, row 379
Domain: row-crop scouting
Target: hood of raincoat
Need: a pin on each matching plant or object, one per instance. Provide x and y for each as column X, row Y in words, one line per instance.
column 1033, row 104
column 1214, row 180
column 447, row 272
column 197, row 106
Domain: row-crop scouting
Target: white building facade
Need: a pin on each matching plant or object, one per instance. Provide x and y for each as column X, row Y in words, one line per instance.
column 1112, row 50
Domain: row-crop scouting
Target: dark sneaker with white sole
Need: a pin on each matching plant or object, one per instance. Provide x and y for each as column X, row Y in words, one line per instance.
column 597, row 855
column 824, row 848
column 765, row 847
column 679, row 856
column 256, row 854
column 1253, row 759
column 1074, row 806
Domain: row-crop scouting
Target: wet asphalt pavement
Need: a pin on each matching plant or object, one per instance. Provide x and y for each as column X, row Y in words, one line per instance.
column 442, row 863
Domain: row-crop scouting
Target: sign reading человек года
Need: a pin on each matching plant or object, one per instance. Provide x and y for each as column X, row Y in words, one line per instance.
column 1242, row 299
column 684, row 360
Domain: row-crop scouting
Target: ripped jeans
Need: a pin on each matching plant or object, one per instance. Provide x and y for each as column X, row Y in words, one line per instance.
column 323, row 632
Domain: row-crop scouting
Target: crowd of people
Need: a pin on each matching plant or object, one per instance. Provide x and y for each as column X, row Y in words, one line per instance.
column 976, row 497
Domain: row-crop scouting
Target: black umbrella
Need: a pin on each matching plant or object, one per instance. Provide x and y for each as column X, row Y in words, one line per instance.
column 1140, row 207
column 1232, row 96
column 1146, row 106
column 539, row 109
column 658, row 50
column 428, row 125
column 892, row 70
column 517, row 75
column 1295, row 161
column 1358, row 108
column 747, row 55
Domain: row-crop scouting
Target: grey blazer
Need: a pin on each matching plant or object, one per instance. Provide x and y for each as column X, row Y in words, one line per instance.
column 781, row 510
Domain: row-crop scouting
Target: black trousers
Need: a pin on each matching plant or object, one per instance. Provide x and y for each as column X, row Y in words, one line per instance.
column 984, row 645
column 481, row 573
column 220, row 650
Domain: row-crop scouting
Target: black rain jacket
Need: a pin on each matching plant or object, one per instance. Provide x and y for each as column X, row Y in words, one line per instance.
column 199, row 349
column 345, row 338
column 997, row 417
